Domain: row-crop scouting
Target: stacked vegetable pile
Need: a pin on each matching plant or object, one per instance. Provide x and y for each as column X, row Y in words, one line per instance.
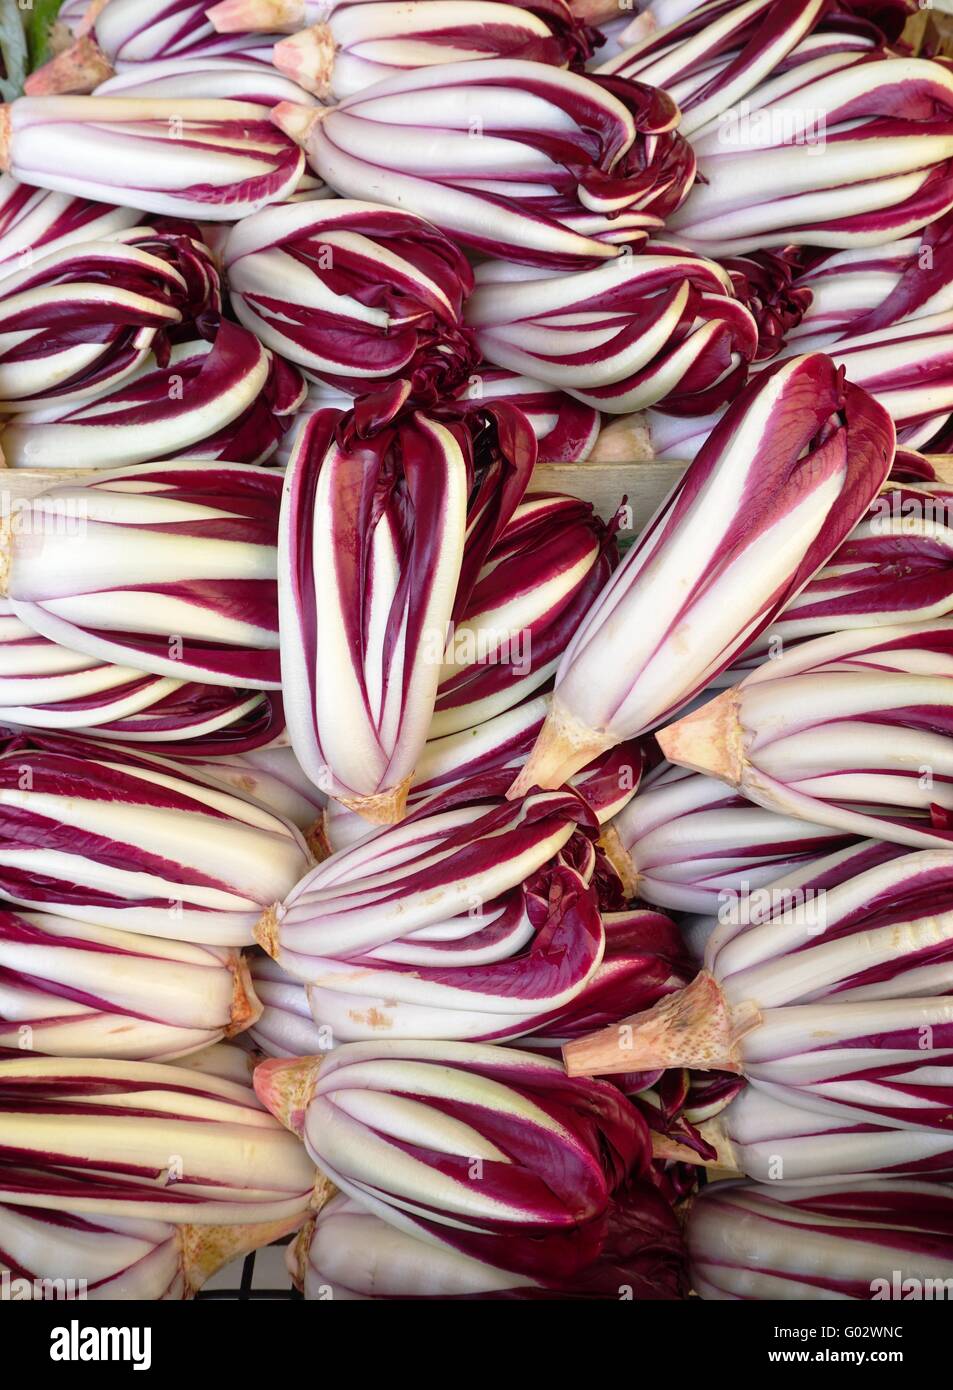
column 396, row 855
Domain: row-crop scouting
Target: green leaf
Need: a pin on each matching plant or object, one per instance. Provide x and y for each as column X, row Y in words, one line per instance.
column 13, row 48
column 42, row 16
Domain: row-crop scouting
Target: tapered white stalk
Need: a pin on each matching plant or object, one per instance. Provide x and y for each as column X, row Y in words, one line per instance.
column 772, row 1141
column 834, row 152
column 883, row 1240
column 117, row 841
column 847, row 730
column 271, row 774
column 73, row 989
column 286, row 1027
column 62, row 1254
column 780, row 483
column 141, row 1140
column 213, row 160
column 596, row 165
column 631, row 333
column 167, row 567
column 687, row 842
column 223, row 78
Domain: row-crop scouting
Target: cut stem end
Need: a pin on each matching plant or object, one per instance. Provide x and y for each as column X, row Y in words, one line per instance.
column 76, row 71
column 258, row 16
column 266, row 930
column 708, row 740
column 383, row 808
column 695, row 1027
column 308, row 59
column 204, row 1250
column 285, row 1086
column 246, row 1006
column 620, row 859
column 627, row 439
column 564, row 746
column 295, row 120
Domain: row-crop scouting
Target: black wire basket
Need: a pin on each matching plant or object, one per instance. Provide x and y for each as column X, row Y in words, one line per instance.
column 252, row 1280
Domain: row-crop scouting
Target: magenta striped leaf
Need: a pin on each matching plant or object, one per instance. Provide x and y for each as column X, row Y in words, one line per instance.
column 47, row 686
column 214, row 160
column 82, row 319
column 894, row 567
column 243, row 77
column 118, row 840
column 641, row 1254
column 125, row 35
column 718, row 53
column 354, row 293
column 644, row 960
column 356, row 45
column 285, row 1027
column 839, row 151
column 510, row 1159
column 566, row 169
column 531, row 951
column 36, row 222
column 850, row 731
column 840, row 1240
column 445, row 871
column 565, row 429
column 226, row 398
column 626, row 335
column 772, row 1141
column 690, row 844
column 781, row 482
column 768, row 286
column 117, row 1257
column 145, row 1141
column 73, row 989
column 855, row 292
column 378, row 548
column 552, row 558
column 186, row 550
